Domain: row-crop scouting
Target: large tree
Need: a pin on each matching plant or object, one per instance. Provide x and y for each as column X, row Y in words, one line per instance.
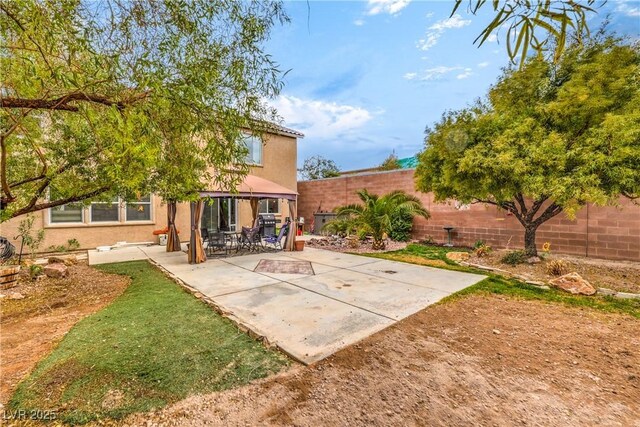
column 121, row 97
column 550, row 137
column 318, row 167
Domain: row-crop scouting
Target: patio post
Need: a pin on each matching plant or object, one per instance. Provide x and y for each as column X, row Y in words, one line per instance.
column 173, row 240
column 196, row 253
column 290, row 244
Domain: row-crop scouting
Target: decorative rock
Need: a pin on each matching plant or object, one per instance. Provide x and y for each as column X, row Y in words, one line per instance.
column 67, row 260
column 534, row 260
column 56, row 271
column 458, row 256
column 16, row 295
column 574, row 284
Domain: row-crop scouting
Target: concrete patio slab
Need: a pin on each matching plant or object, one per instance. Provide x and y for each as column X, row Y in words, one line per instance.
column 306, row 325
column 434, row 278
column 385, row 297
column 333, row 259
column 223, row 278
column 309, row 316
column 129, row 253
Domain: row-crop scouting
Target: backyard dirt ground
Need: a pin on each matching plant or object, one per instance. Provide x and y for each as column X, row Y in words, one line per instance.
column 31, row 326
column 480, row 360
column 621, row 276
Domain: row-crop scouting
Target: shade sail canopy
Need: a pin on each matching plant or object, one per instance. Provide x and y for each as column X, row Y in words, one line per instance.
column 254, row 187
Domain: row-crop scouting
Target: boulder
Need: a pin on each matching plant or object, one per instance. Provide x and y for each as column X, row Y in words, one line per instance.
column 67, row 260
column 458, row 256
column 56, row 271
column 574, row 284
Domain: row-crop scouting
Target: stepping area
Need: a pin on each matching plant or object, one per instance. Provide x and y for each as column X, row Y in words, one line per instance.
column 310, row 303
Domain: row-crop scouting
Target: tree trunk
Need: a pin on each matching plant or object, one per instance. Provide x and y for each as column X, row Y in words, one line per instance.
column 530, row 240
column 378, row 244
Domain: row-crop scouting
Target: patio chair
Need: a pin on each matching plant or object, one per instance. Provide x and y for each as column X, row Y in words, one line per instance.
column 275, row 242
column 250, row 239
column 215, row 241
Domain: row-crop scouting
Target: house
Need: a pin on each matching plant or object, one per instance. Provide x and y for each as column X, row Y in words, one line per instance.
column 272, row 178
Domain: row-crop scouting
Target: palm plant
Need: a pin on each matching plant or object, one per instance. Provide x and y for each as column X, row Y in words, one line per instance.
column 375, row 213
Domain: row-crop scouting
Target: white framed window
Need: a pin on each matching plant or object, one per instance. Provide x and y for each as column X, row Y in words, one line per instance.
column 71, row 213
column 139, row 210
column 105, row 211
column 269, row 206
column 254, row 145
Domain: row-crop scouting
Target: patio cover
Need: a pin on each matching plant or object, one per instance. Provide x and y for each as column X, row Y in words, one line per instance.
column 254, row 187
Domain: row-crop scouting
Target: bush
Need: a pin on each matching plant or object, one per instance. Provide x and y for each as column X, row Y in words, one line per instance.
column 481, row 250
column 340, row 226
column 35, row 270
column 401, row 225
column 514, row 258
column 557, row 267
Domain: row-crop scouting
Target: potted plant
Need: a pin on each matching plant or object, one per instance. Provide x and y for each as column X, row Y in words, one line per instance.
column 299, row 244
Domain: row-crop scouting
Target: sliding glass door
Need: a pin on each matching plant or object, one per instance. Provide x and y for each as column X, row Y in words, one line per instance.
column 219, row 214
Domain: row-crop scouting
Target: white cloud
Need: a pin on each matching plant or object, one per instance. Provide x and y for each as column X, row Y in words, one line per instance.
column 633, row 12
column 358, row 22
column 493, row 37
column 429, row 14
column 410, row 76
column 483, row 64
column 319, row 119
column 436, row 30
column 455, row 21
column 466, row 74
column 430, row 40
column 392, row 7
column 436, row 73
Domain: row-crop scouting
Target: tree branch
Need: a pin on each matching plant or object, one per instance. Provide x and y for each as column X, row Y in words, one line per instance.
column 62, row 103
column 60, row 202
column 551, row 211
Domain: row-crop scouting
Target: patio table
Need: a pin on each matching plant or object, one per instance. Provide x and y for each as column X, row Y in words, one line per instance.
column 232, row 237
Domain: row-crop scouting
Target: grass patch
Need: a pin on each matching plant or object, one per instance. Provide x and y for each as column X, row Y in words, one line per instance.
column 428, row 255
column 153, row 345
column 435, row 256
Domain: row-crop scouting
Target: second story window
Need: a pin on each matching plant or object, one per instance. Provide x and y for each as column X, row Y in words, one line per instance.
column 254, row 145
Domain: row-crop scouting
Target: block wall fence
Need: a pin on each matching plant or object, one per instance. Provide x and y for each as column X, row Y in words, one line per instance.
column 599, row 232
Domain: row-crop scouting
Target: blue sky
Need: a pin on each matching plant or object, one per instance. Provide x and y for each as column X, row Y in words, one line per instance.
column 367, row 77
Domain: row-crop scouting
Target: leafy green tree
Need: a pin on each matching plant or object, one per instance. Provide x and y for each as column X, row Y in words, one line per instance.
column 550, row 138
column 375, row 214
column 539, row 25
column 125, row 97
column 390, row 163
column 317, row 167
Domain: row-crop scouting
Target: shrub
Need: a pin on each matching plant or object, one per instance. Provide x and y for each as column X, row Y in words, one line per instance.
column 514, row 257
column 401, row 225
column 478, row 244
column 557, row 267
column 340, row 226
column 35, row 270
column 481, row 250
column 73, row 244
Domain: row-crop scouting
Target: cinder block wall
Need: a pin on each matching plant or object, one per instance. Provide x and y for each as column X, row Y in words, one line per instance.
column 601, row 232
